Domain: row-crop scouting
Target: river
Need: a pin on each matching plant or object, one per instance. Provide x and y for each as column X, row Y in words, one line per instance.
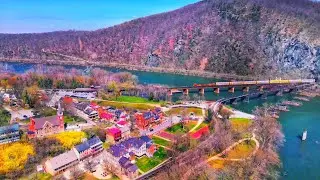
column 301, row 160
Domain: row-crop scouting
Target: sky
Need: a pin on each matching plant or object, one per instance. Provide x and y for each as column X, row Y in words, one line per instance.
column 29, row 16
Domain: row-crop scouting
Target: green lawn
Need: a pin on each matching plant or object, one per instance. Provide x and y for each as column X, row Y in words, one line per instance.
column 186, row 110
column 203, row 124
column 191, row 124
column 46, row 111
column 126, row 105
column 135, row 99
column 37, row 176
column 244, row 120
column 161, row 141
column 69, row 119
column 145, row 164
column 177, row 129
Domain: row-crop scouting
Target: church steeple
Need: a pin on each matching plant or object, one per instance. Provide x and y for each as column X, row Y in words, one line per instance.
column 60, row 115
column 59, row 110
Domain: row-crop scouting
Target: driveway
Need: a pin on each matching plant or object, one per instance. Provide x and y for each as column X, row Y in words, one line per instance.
column 19, row 114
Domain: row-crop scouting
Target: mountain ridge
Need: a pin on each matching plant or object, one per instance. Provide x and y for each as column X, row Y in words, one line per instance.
column 248, row 38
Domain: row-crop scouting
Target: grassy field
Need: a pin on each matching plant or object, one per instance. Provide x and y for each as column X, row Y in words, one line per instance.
column 218, row 164
column 191, row 124
column 181, row 110
column 177, row 129
column 145, row 164
column 69, row 119
column 240, row 125
column 161, row 141
column 242, row 150
column 126, row 105
column 46, row 111
column 37, row 176
column 135, row 99
column 203, row 124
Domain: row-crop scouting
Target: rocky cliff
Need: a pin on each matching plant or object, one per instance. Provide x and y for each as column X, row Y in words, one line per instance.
column 261, row 38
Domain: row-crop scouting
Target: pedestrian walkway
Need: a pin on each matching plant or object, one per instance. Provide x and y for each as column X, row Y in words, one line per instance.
column 218, row 156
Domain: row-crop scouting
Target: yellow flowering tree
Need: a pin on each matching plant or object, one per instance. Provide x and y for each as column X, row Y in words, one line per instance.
column 14, row 156
column 70, row 138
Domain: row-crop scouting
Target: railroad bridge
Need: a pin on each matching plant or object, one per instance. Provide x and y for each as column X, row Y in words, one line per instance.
column 245, row 86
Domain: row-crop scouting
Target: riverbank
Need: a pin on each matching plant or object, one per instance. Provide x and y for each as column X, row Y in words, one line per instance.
column 84, row 63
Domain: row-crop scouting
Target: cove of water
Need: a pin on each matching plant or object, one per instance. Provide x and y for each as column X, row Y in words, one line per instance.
column 300, row 160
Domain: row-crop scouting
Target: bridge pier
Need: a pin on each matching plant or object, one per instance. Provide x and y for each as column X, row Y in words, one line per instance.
column 216, row 90
column 247, row 99
column 264, row 96
column 201, row 91
column 260, row 88
column 245, row 89
column 280, row 92
column 231, row 90
column 185, row 91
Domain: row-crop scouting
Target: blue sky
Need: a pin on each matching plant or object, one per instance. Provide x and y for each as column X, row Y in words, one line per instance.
column 25, row 16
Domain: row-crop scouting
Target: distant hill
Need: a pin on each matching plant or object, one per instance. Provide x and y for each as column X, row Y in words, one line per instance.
column 246, row 37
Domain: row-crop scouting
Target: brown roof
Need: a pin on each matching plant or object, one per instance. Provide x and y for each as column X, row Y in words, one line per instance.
column 39, row 122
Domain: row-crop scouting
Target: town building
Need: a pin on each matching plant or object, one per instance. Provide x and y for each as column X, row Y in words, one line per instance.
column 9, row 133
column 105, row 115
column 129, row 169
column 70, row 158
column 40, row 127
column 123, row 154
column 85, row 110
column 61, row 162
column 145, row 119
column 113, row 134
column 88, row 148
column 88, row 93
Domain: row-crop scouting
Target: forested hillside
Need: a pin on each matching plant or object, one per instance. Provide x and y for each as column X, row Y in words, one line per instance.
column 244, row 37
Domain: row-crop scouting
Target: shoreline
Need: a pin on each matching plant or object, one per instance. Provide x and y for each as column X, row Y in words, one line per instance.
column 197, row 73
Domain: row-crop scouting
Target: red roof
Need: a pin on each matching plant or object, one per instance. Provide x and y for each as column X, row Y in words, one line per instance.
column 122, row 123
column 94, row 105
column 105, row 115
column 67, row 100
column 200, row 132
column 113, row 131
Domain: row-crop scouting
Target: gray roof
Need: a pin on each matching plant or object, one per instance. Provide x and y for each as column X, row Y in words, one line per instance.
column 9, row 129
column 39, row 122
column 87, row 144
column 82, row 106
column 82, row 147
column 94, row 141
column 63, row 159
column 85, row 90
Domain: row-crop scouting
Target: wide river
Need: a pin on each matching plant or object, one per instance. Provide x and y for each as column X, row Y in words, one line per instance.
column 300, row 160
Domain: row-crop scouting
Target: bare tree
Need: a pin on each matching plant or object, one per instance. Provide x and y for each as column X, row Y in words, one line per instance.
column 89, row 165
column 76, row 173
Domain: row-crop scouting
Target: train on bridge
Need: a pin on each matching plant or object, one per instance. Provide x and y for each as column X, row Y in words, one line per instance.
column 265, row 82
